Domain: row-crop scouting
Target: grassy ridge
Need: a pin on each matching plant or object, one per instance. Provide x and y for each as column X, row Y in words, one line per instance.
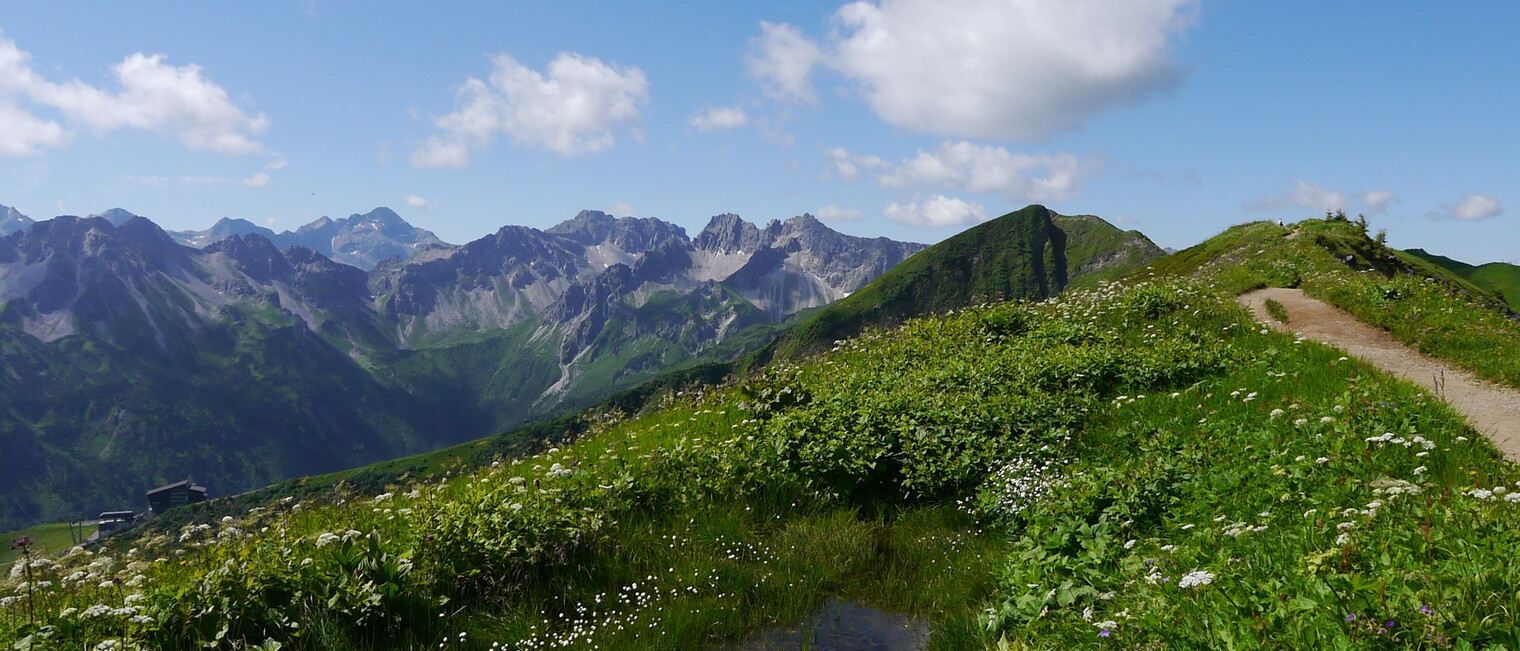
column 1028, row 254
column 1437, row 312
column 1501, row 278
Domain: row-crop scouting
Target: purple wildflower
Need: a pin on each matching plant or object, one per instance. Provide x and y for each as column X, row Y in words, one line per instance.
column 1388, row 624
column 1351, row 617
column 1105, row 633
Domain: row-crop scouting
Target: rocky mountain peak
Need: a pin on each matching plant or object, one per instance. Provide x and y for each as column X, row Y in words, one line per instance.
column 253, row 255
column 633, row 235
column 729, row 233
column 588, row 227
column 11, row 220
column 116, row 216
column 319, row 224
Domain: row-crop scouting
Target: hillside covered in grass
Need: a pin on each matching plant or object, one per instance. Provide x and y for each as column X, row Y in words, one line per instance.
column 1137, row 465
column 1029, row 254
column 1501, row 278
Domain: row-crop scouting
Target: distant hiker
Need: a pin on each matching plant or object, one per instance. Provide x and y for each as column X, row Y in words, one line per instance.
column 1279, row 222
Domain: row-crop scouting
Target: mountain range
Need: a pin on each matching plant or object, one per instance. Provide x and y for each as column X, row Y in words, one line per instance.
column 130, row 359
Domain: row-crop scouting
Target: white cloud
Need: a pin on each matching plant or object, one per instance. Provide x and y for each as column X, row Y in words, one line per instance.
column 980, row 168
column 152, row 181
column 1001, row 69
column 782, row 59
column 278, row 164
column 837, row 214
column 719, row 118
column 848, row 166
column 1378, row 200
column 1121, row 220
column 1472, row 207
column 440, row 152
column 938, row 210
column 620, row 209
column 154, row 96
column 571, row 108
column 1304, row 195
column 418, row 202
column 24, row 134
column 258, row 180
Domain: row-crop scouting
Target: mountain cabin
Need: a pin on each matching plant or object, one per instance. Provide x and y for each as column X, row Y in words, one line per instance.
column 163, row 498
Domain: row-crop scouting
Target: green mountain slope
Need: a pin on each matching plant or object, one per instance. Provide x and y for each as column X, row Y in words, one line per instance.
column 88, row 423
column 1031, row 253
column 1501, row 278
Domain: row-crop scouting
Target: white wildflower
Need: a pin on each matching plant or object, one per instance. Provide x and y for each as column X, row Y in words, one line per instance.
column 1195, row 577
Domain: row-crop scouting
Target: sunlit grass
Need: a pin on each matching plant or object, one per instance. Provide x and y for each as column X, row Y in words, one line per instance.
column 47, row 539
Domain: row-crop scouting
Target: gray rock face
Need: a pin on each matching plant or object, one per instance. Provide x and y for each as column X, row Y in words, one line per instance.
column 116, row 216
column 134, row 285
column 630, row 234
column 11, row 220
column 797, row 264
column 420, row 289
column 363, row 241
column 223, row 229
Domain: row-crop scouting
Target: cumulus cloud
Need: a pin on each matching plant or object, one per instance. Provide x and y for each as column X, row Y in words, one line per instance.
column 1378, row 200
column 418, row 202
column 1304, row 195
column 837, row 214
column 153, row 95
column 620, row 208
column 571, row 108
column 991, row 68
column 782, row 59
column 847, row 165
column 938, row 210
column 719, row 118
column 1472, row 207
column 980, row 168
column 258, row 180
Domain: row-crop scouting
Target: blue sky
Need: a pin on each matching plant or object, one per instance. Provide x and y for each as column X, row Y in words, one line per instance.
column 911, row 119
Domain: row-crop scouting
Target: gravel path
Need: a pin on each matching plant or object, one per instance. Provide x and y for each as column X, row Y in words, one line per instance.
column 1492, row 409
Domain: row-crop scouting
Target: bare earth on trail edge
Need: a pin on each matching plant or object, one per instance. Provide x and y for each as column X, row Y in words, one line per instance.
column 1492, row 409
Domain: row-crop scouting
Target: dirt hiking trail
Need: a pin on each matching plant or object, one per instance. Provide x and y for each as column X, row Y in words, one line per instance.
column 1492, row 409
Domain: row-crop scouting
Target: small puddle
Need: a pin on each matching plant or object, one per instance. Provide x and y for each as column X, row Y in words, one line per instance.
column 842, row 625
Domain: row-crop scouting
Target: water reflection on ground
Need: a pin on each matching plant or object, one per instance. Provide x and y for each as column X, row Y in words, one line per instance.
column 842, row 625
